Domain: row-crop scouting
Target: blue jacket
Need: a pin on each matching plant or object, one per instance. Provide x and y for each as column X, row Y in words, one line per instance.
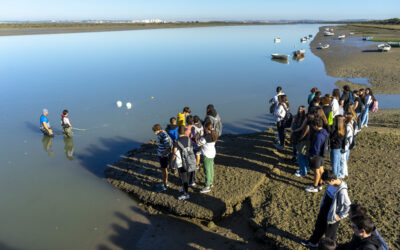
column 317, row 145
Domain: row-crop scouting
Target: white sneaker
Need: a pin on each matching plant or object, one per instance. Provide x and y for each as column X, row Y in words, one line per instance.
column 320, row 188
column 181, row 190
column 298, row 175
column 205, row 190
column 192, row 184
column 312, row 189
column 184, row 197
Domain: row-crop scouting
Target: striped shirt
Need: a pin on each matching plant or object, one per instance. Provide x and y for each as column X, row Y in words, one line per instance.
column 164, row 143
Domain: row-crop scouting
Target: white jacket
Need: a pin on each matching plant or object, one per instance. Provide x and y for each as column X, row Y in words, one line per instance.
column 280, row 112
column 335, row 107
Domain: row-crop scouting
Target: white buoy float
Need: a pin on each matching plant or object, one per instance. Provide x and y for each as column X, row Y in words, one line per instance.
column 119, row 104
column 128, row 105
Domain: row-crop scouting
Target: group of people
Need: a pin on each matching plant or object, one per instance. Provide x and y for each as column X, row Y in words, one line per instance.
column 327, row 128
column 181, row 145
column 65, row 124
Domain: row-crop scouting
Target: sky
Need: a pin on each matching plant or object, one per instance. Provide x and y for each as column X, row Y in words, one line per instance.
column 201, row 10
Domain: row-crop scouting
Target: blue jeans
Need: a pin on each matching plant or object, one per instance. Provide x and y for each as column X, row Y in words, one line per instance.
column 365, row 115
column 335, row 160
column 303, row 164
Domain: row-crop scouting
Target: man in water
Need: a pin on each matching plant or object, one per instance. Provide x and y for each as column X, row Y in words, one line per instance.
column 44, row 124
column 66, row 124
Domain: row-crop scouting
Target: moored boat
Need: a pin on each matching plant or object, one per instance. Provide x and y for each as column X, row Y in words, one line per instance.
column 310, row 36
column 280, row 56
column 303, row 39
column 300, row 52
column 325, row 46
column 368, row 38
column 328, row 33
column 277, row 40
column 341, row 37
column 384, row 47
column 394, row 44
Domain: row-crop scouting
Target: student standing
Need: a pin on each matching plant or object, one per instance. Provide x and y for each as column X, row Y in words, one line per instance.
column 334, row 207
column 316, row 155
column 311, row 95
column 369, row 98
column 275, row 100
column 280, row 114
column 208, row 151
column 297, row 123
column 182, row 116
column 213, row 117
column 337, row 139
column 335, row 103
column 163, row 151
column 303, row 146
column 364, row 237
column 345, row 152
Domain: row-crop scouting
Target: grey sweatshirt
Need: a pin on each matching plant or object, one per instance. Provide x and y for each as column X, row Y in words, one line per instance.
column 340, row 204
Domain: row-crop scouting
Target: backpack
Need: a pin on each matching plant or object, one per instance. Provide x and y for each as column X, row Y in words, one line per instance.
column 188, row 157
column 326, row 150
column 173, row 133
column 217, row 123
column 288, row 119
column 374, row 107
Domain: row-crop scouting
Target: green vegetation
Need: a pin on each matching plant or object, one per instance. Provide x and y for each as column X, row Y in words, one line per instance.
column 385, row 39
column 392, row 21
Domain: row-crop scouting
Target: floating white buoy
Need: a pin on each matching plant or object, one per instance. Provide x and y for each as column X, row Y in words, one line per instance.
column 128, row 105
column 152, row 97
column 119, row 104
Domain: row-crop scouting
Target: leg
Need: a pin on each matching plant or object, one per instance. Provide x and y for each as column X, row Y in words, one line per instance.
column 320, row 224
column 207, row 169
column 185, row 179
column 192, row 178
column 281, row 132
column 331, row 230
column 164, row 170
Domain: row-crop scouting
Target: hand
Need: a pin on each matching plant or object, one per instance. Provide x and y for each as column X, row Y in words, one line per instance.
column 337, row 217
column 50, row 131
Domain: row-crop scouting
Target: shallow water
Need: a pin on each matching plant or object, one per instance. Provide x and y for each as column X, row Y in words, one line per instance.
column 52, row 193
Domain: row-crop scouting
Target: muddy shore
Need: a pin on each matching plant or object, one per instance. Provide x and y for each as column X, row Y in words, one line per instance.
column 355, row 58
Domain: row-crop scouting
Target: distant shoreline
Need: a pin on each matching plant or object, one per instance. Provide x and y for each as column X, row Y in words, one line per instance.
column 17, row 29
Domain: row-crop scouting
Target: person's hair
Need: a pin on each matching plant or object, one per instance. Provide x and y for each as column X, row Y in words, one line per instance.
column 329, row 96
column 186, row 109
column 196, row 119
column 318, row 122
column 356, row 92
column 326, row 244
column 172, row 119
column 278, row 89
column 336, row 94
column 363, row 222
column 310, row 118
column 371, row 94
column 321, row 114
column 181, row 130
column 362, row 93
column 318, row 93
column 301, row 114
column 189, row 120
column 356, row 210
column 348, row 118
column 340, row 127
column 325, row 101
column 210, row 106
column 328, row 175
column 346, row 88
column 316, row 100
column 157, row 127
column 313, row 90
column 65, row 112
column 210, row 127
column 350, row 109
column 283, row 99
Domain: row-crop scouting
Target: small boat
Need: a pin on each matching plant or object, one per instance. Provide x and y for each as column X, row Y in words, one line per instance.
column 351, row 33
column 277, row 40
column 280, row 56
column 341, row 37
column 303, row 39
column 384, row 47
column 299, row 53
column 394, row 44
column 310, row 36
column 328, row 33
column 325, row 46
column 368, row 38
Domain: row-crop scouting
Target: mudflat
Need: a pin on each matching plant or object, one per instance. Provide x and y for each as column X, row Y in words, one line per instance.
column 355, row 58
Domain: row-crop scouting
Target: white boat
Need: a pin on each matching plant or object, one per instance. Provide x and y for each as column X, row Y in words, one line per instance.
column 328, row 33
column 277, row 40
column 325, row 46
column 341, row 37
column 351, row 33
column 299, row 53
column 280, row 56
column 303, row 39
column 384, row 47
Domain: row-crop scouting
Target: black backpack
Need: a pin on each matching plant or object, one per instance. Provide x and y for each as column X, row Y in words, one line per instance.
column 288, row 119
column 326, row 150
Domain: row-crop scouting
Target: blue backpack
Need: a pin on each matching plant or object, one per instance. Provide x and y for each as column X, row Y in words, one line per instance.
column 173, row 134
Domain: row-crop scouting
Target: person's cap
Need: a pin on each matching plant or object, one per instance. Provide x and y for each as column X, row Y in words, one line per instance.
column 44, row 111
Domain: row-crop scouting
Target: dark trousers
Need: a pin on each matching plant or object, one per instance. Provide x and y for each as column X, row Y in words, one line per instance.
column 192, row 178
column 321, row 225
column 185, row 178
column 281, row 132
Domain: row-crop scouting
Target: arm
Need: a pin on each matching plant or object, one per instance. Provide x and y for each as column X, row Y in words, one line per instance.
column 355, row 104
column 341, row 102
column 302, row 126
column 47, row 128
column 305, row 132
column 174, row 155
column 344, row 201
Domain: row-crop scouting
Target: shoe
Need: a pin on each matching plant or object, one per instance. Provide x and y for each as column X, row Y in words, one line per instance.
column 279, row 147
column 297, row 174
column 212, row 185
column 184, row 197
column 162, row 189
column 319, row 187
column 162, row 185
column 181, row 190
column 205, row 190
column 312, row 189
column 192, row 184
column 308, row 243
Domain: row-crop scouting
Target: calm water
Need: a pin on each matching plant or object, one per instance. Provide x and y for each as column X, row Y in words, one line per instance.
column 50, row 200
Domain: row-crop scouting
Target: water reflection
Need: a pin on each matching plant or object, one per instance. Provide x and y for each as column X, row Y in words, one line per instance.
column 283, row 61
column 47, row 142
column 69, row 147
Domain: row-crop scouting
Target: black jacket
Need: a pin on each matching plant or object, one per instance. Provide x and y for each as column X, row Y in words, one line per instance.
column 370, row 243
